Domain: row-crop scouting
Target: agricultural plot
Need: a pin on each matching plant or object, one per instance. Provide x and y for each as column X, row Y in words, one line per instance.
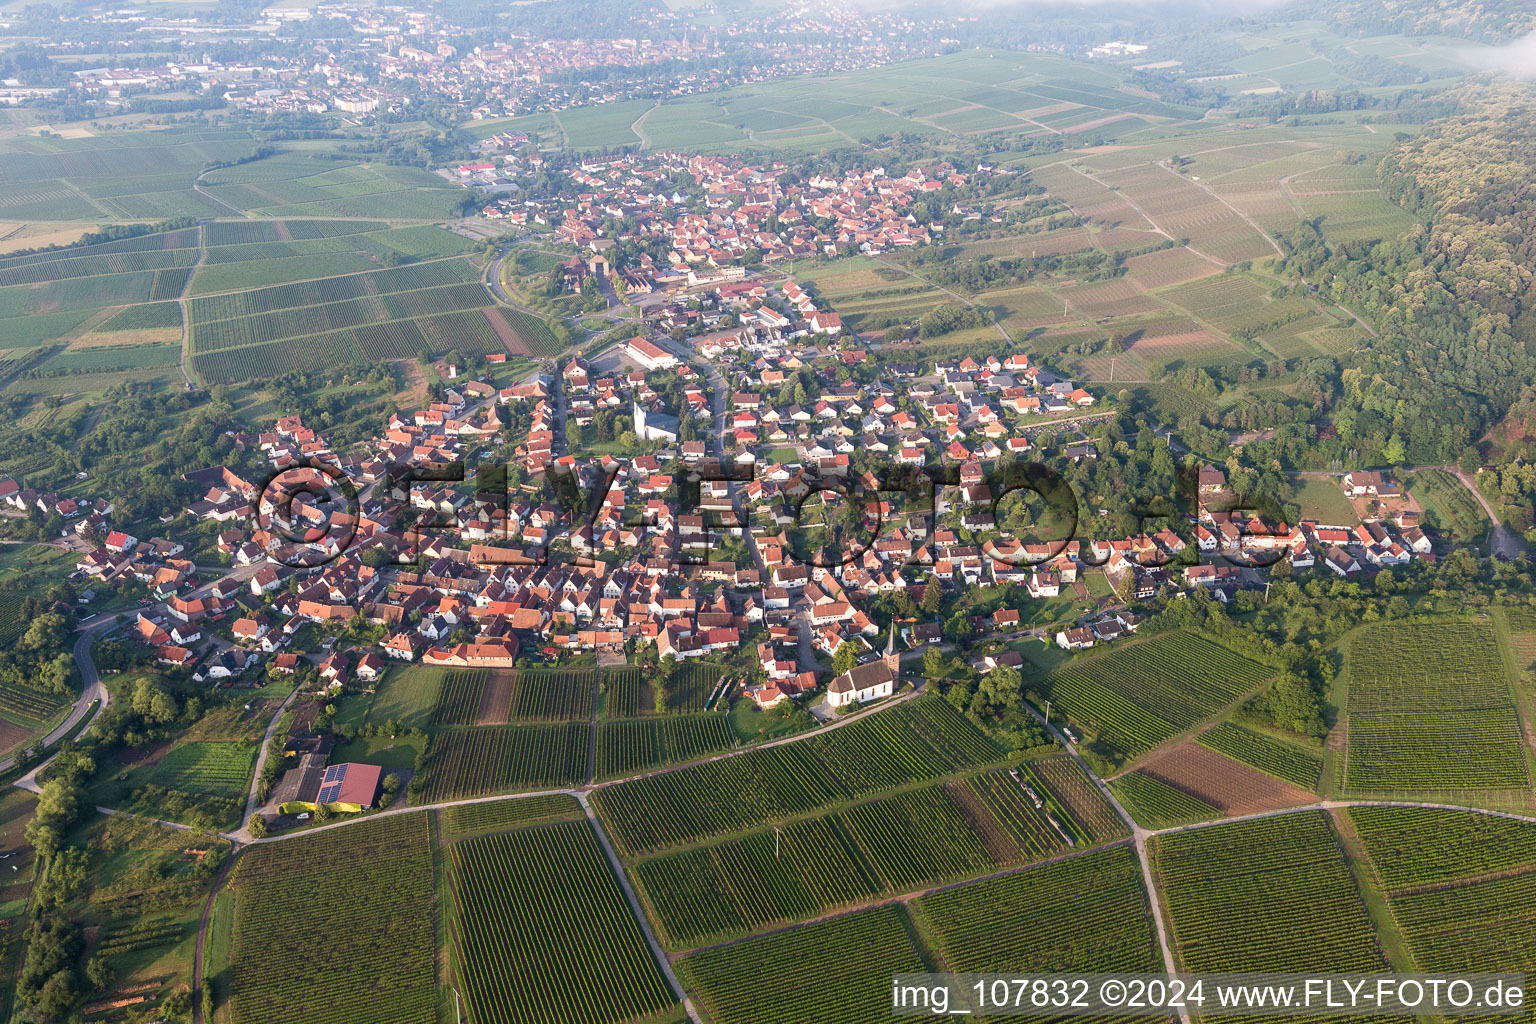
column 917, row 740
column 690, row 685
column 747, row 983
column 1167, row 267
column 379, row 969
column 386, row 314
column 553, row 695
column 1184, row 210
column 1272, row 894
column 1271, row 756
column 886, row 846
column 626, row 746
column 626, row 693
column 479, row 760
column 1088, row 198
column 544, row 932
column 1140, row 695
column 219, row 769
column 1448, row 505
column 25, row 706
column 1430, row 709
column 501, row 815
column 1088, row 913
column 458, row 698
column 1460, row 886
column 1228, row 786
column 1156, row 804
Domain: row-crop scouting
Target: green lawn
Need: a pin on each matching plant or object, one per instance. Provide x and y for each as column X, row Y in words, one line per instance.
column 393, row 755
column 1322, row 499
column 407, row 695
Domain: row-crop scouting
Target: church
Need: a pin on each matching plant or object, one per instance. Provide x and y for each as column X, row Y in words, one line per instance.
column 654, row 426
column 870, row 681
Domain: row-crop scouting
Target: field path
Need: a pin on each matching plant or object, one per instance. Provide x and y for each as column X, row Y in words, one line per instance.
column 634, row 126
column 261, row 757
column 1222, row 200
column 634, row 908
column 181, row 303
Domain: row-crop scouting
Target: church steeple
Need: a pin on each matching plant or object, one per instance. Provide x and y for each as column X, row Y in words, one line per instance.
column 891, row 657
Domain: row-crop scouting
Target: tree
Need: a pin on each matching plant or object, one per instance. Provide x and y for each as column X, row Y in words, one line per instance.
column 957, row 628
column 258, row 826
column 933, row 597
column 846, row 658
column 1395, row 452
column 57, row 809
column 933, row 662
column 100, row 973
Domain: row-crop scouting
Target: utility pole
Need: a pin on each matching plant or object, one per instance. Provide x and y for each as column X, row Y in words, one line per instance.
column 1047, row 712
column 776, row 832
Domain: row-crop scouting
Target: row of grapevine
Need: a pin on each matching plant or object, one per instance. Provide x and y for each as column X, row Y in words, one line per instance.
column 373, row 967
column 1271, row 756
column 921, row 739
column 546, row 935
column 1268, row 894
column 882, row 847
column 630, row 745
column 478, row 760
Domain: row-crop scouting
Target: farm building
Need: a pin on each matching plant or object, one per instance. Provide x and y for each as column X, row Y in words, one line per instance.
column 345, row 788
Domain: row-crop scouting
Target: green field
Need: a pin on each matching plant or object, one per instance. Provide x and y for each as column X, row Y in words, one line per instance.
column 882, row 847
column 1448, row 505
column 544, row 932
column 917, row 740
column 1087, row 913
column 407, row 695
column 1139, row 695
column 379, row 969
column 1156, row 804
column 480, row 760
column 1431, row 709
column 747, row 983
column 1283, row 879
column 1271, row 756
column 219, row 769
column 1459, row 885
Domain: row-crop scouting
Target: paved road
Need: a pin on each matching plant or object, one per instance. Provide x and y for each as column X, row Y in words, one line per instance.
column 93, row 695
column 244, row 833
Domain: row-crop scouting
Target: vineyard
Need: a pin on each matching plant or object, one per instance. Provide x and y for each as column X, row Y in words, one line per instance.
column 1430, row 709
column 1087, row 913
column 545, row 934
column 479, row 760
column 1272, row 757
column 499, row 815
column 690, row 685
column 917, row 740
column 553, row 695
column 886, row 846
column 220, row 769
column 1271, row 894
column 458, row 699
column 27, row 707
column 1461, row 886
column 1156, row 804
column 630, row 745
column 1140, row 695
column 626, row 694
column 370, row 968
column 756, row 982
column 381, row 314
